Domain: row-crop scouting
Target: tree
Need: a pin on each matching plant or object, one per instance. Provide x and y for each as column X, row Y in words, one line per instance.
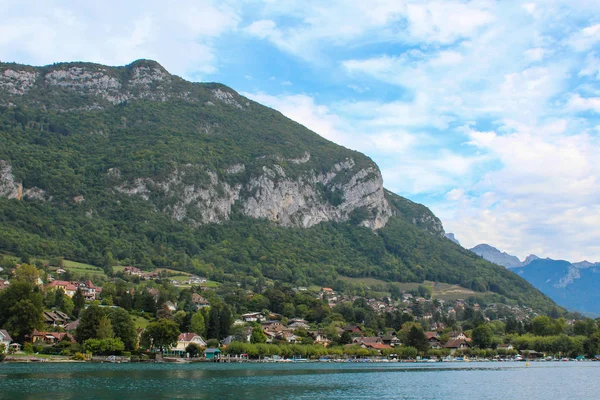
column 123, row 327
column 345, row 338
column 483, row 336
column 26, row 317
column 194, row 349
column 416, row 338
column 104, row 346
column 21, row 306
column 89, row 322
column 78, row 301
column 198, row 325
column 160, row 334
column 27, row 273
column 542, row 326
column 104, row 330
column 258, row 336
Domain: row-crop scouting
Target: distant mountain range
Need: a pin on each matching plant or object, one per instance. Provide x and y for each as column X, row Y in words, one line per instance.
column 501, row 258
column 572, row 285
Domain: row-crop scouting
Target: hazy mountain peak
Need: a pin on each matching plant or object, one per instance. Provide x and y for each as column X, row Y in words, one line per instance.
column 452, row 238
column 496, row 256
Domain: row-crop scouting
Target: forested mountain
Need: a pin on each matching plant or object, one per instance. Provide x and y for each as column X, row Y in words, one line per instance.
column 132, row 164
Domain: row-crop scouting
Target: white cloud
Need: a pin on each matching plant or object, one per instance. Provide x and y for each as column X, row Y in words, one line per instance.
column 586, row 38
column 445, row 22
column 578, row 103
column 180, row 38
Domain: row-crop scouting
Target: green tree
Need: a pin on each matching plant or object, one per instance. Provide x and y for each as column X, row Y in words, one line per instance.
column 193, row 349
column 104, row 346
column 123, row 327
column 417, row 339
column 21, row 306
column 160, row 334
column 78, row 301
column 483, row 336
column 89, row 322
column 258, row 336
column 104, row 330
column 198, row 325
column 27, row 273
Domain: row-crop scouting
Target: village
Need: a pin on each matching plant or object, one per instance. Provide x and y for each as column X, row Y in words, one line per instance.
column 409, row 326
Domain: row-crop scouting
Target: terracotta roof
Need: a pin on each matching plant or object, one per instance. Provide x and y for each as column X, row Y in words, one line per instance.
column 430, row 334
column 378, row 346
column 186, row 337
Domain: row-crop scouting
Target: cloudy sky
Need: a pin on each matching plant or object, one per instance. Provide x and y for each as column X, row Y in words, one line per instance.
column 485, row 111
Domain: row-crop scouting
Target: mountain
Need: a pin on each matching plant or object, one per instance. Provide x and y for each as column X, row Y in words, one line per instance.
column 452, row 238
column 496, row 256
column 574, row 286
column 132, row 164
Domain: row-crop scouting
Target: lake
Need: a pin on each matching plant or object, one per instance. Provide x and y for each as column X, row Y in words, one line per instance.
column 460, row 381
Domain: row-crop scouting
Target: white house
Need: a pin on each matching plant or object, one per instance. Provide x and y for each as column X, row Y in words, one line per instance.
column 5, row 339
column 185, row 339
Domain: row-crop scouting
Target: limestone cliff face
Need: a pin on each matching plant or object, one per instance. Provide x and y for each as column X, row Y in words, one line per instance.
column 11, row 188
column 271, row 195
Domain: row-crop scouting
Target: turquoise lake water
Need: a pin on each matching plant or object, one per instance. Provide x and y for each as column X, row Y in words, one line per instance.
column 450, row 381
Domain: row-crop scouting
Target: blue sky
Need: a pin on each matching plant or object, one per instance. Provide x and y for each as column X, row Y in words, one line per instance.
column 485, row 111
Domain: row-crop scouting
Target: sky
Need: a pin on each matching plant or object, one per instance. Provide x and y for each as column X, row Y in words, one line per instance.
column 485, row 111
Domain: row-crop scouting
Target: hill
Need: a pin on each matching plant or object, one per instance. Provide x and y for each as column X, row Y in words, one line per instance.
column 132, row 164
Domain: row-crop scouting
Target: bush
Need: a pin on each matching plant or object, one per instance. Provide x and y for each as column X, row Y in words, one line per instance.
column 134, row 358
column 28, row 348
column 79, row 356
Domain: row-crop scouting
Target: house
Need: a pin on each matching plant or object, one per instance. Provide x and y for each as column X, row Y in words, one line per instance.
column 506, row 347
column 291, row 338
column 71, row 326
column 66, row 286
column 55, row 318
column 49, row 337
column 199, row 301
column 273, row 326
column 457, row 335
column 185, row 339
column 132, row 271
column 457, row 344
column 320, row 337
column 4, row 284
column 390, row 339
column 377, row 346
column 5, row 339
column 170, row 305
column 90, row 291
column 212, row 354
column 298, row 324
column 362, row 340
column 353, row 329
column 253, row 317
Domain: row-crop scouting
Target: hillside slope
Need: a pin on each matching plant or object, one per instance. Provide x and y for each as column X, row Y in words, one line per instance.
column 136, row 165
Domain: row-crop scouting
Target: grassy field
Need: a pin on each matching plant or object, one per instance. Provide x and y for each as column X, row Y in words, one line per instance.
column 443, row 291
column 82, row 269
column 140, row 322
